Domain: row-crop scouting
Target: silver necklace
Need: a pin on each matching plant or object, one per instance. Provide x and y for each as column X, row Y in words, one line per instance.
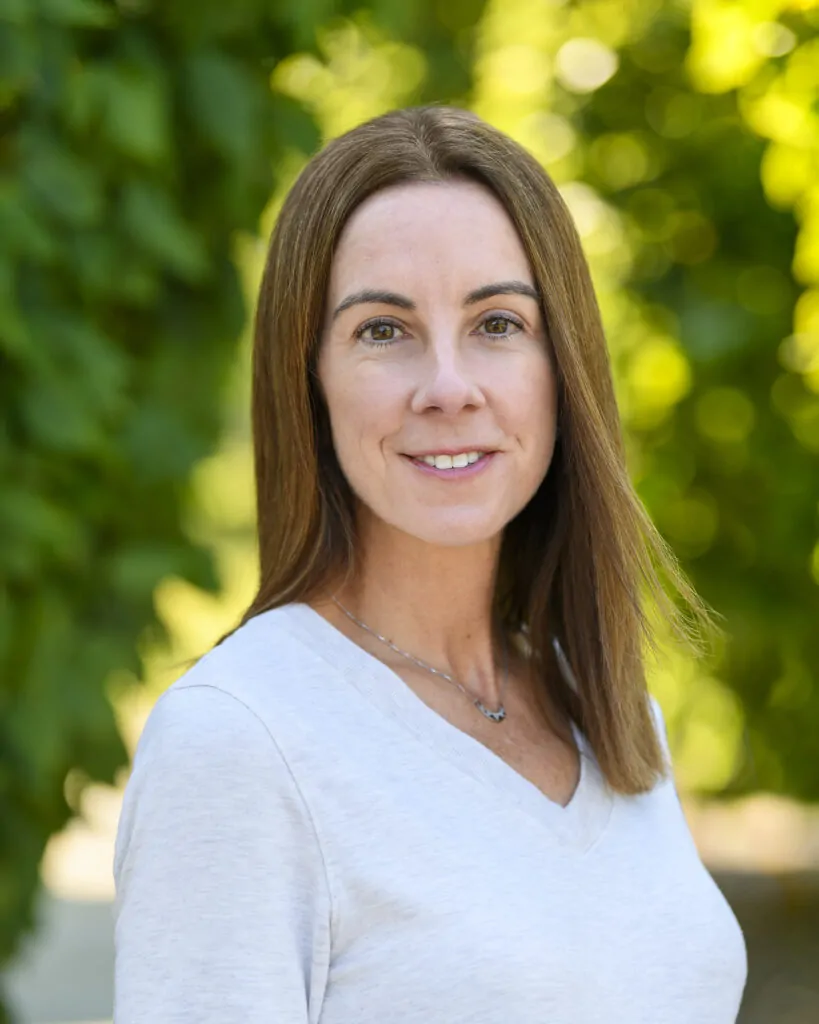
column 493, row 716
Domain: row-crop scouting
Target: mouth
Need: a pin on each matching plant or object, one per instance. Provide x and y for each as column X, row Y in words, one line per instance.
column 452, row 465
column 450, row 460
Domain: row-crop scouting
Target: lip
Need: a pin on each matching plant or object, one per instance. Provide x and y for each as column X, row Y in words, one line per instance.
column 450, row 451
column 453, row 474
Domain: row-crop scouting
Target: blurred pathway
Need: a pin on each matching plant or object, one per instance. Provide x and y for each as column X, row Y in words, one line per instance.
column 64, row 973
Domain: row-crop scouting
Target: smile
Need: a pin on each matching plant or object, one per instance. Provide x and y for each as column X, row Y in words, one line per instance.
column 453, row 466
column 451, row 461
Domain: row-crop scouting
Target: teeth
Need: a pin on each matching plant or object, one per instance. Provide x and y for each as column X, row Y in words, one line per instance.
column 452, row 461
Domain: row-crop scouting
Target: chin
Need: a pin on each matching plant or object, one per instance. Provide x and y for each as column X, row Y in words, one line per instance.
column 452, row 531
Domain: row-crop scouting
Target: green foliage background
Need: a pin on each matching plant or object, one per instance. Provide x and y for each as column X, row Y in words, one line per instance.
column 141, row 143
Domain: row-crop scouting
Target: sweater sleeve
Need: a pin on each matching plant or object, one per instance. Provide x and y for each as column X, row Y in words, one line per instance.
column 222, row 909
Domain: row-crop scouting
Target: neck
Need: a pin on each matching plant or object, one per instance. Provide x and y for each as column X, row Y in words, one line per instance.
column 433, row 602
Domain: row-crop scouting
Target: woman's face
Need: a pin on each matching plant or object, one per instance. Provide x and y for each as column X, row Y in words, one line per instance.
column 433, row 343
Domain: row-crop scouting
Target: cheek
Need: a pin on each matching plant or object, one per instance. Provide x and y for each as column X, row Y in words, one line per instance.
column 365, row 407
column 534, row 403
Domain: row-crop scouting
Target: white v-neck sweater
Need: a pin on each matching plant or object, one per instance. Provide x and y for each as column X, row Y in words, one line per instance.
column 303, row 839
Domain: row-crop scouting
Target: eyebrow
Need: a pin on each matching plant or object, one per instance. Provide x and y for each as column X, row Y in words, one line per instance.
column 486, row 291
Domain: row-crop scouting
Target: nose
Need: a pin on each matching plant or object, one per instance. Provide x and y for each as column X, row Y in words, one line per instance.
column 447, row 381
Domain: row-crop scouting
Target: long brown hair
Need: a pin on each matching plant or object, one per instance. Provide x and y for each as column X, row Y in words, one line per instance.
column 582, row 561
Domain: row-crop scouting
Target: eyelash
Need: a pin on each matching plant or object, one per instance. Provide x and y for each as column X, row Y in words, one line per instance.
column 383, row 321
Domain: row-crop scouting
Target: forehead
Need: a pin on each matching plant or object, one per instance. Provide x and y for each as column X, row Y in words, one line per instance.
column 454, row 233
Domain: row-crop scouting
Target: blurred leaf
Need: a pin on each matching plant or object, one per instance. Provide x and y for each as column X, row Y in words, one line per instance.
column 294, row 124
column 136, row 112
column 223, row 102
column 84, row 13
column 23, row 233
column 14, row 335
column 67, row 187
column 36, row 532
column 150, row 219
column 16, row 12
column 18, row 59
column 143, row 566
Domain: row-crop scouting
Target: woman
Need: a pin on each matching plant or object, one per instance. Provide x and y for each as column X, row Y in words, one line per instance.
column 423, row 781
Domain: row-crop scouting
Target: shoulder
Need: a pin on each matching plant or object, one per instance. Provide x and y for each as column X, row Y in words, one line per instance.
column 220, row 714
column 264, row 695
column 206, row 766
column 266, row 665
column 269, row 643
column 204, row 751
column 202, row 722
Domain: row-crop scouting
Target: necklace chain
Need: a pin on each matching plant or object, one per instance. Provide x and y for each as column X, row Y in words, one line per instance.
column 493, row 716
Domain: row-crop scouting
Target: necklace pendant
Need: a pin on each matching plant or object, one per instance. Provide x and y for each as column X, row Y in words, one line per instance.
column 495, row 716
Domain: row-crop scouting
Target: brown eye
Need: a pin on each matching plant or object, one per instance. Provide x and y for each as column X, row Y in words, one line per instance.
column 378, row 333
column 381, row 332
column 499, row 326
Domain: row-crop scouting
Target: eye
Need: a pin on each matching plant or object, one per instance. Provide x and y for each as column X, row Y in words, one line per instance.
column 502, row 321
column 383, row 333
